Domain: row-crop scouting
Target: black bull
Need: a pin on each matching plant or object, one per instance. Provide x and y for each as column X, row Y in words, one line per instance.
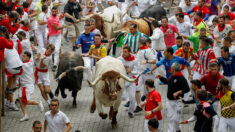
column 155, row 11
column 73, row 79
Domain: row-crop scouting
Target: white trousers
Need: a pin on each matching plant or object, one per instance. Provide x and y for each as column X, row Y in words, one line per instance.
column 56, row 40
column 231, row 82
column 186, row 95
column 87, row 63
column 130, row 90
column 226, row 123
column 141, row 82
column 146, row 129
column 217, row 50
column 174, row 109
column 41, row 36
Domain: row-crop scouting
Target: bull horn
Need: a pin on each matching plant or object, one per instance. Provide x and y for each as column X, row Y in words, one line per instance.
column 94, row 82
column 75, row 68
column 111, row 20
column 152, row 19
column 135, row 17
column 128, row 79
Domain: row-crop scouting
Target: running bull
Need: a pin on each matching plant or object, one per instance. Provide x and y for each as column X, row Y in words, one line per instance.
column 70, row 74
column 108, row 84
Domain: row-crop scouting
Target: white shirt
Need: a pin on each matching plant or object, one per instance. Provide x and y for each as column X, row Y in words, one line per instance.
column 26, row 46
column 56, row 123
column 61, row 8
column 27, row 76
column 42, row 16
column 12, row 58
column 158, row 42
column 232, row 49
column 47, row 61
column 94, row 10
column 221, row 35
column 129, row 64
column 31, row 9
column 173, row 19
column 144, row 4
column 184, row 28
column 144, row 55
column 186, row 8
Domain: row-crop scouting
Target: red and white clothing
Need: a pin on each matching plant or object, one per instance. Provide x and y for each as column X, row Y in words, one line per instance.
column 26, row 46
column 94, row 10
column 152, row 99
column 54, row 36
column 205, row 56
column 42, row 74
column 130, row 88
column 170, row 37
column 26, row 81
column 4, row 43
column 144, row 54
column 13, row 64
column 220, row 33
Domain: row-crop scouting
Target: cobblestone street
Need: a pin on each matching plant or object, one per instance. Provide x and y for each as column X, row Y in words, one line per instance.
column 81, row 118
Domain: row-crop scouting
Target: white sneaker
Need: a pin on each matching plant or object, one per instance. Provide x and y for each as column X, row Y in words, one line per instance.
column 25, row 118
column 13, row 107
column 40, row 106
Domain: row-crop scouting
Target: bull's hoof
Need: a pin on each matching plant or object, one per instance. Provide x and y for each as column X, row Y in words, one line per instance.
column 63, row 95
column 74, row 105
column 92, row 108
column 114, row 125
column 103, row 116
column 56, row 93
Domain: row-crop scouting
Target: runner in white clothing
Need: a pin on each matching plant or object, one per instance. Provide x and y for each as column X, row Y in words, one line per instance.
column 129, row 62
column 220, row 33
column 41, row 29
column 146, row 59
column 13, row 68
column 173, row 19
column 43, row 61
column 185, row 28
column 27, row 86
column 228, row 43
column 56, row 120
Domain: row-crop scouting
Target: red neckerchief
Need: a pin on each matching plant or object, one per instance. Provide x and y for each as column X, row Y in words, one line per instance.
column 144, row 47
column 178, row 74
column 98, row 45
column 129, row 58
column 45, row 53
column 24, row 28
column 202, row 102
column 184, row 13
column 197, row 22
column 92, row 29
column 26, row 10
column 221, row 28
column 27, row 61
column 19, row 47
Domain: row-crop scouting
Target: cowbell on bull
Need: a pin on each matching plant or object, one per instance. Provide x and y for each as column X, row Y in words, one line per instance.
column 108, row 83
column 70, row 74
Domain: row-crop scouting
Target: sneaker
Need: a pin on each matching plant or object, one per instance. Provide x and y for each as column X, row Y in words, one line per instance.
column 143, row 98
column 25, row 118
column 138, row 109
column 51, row 95
column 13, row 107
column 54, row 68
column 40, row 106
column 130, row 115
column 127, row 104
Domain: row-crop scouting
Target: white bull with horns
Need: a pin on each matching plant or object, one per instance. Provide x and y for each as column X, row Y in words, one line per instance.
column 108, row 83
